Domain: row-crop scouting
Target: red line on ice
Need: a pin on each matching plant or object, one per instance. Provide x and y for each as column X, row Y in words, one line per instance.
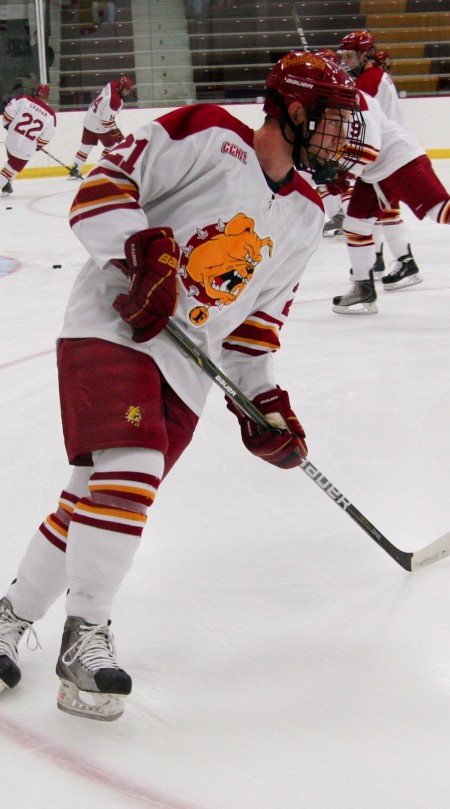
column 65, row 760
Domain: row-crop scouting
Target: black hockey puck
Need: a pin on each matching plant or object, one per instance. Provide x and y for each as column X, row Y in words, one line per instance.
column 57, row 266
column 9, row 208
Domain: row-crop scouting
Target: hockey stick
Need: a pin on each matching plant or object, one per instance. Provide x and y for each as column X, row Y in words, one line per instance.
column 69, row 168
column 431, row 553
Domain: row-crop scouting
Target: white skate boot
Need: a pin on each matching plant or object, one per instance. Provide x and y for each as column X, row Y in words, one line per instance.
column 92, row 684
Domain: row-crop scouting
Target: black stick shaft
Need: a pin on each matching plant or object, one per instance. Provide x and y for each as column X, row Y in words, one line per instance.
column 56, row 159
column 403, row 558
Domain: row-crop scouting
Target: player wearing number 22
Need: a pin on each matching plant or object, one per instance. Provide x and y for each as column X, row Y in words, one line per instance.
column 31, row 124
column 199, row 218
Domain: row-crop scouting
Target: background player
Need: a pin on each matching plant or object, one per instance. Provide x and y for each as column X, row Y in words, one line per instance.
column 357, row 54
column 99, row 123
column 395, row 167
column 31, row 124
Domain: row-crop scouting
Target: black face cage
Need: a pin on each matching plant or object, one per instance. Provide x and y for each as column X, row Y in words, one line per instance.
column 330, row 170
column 342, row 161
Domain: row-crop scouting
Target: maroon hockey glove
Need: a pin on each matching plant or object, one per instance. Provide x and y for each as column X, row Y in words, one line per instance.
column 152, row 259
column 284, row 448
column 339, row 187
column 116, row 134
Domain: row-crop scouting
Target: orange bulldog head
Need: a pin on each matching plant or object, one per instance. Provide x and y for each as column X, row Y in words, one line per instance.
column 224, row 264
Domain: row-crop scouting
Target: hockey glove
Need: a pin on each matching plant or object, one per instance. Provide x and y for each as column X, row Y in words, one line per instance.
column 116, row 134
column 152, row 259
column 339, row 187
column 284, row 445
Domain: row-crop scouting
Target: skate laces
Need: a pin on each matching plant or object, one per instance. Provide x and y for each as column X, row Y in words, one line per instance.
column 400, row 264
column 94, row 649
column 11, row 630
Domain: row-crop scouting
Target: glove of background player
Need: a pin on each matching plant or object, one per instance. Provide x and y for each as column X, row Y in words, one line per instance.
column 152, row 258
column 284, row 446
column 116, row 134
column 339, row 187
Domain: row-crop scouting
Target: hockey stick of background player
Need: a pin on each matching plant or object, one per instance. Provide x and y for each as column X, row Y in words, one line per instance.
column 433, row 552
column 56, row 159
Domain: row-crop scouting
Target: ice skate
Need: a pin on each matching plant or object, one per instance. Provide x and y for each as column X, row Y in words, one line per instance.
column 361, row 300
column 405, row 273
column 92, row 684
column 75, row 173
column 7, row 188
column 12, row 628
column 334, row 226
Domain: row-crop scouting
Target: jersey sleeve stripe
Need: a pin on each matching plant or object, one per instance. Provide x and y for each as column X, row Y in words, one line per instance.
column 100, row 195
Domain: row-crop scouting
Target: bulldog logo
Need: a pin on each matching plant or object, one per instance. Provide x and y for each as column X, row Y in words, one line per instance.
column 134, row 415
column 220, row 261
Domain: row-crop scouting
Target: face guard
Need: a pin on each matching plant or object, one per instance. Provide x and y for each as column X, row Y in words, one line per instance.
column 330, row 100
column 361, row 45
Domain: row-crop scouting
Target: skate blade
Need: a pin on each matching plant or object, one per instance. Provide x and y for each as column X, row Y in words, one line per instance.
column 364, row 309
column 410, row 282
column 89, row 704
column 335, row 232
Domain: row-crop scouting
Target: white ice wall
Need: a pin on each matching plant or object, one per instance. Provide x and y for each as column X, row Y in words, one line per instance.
column 427, row 118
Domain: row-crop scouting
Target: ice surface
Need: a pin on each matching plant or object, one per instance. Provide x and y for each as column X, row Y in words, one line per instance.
column 280, row 659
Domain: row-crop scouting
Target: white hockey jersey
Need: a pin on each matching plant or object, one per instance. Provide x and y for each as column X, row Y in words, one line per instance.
column 31, row 124
column 244, row 247
column 101, row 115
column 387, row 145
column 376, row 83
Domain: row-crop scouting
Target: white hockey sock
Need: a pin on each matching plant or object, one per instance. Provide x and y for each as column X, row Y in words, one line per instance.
column 440, row 213
column 41, row 577
column 396, row 236
column 82, row 155
column 361, row 245
column 106, row 528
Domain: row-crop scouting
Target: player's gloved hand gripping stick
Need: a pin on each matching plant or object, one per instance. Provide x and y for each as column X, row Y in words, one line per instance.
column 431, row 553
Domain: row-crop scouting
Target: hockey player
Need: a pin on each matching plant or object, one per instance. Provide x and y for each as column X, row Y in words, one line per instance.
column 395, row 167
column 31, row 124
column 357, row 54
column 384, row 60
column 198, row 217
column 99, row 123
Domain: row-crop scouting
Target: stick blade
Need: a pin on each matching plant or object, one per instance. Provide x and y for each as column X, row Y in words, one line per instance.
column 432, row 553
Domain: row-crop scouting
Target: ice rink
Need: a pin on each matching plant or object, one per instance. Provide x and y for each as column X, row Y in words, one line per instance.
column 280, row 658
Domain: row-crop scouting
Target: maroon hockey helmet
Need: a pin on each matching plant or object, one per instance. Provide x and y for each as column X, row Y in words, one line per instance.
column 125, row 83
column 384, row 60
column 327, row 53
column 360, row 41
column 42, row 91
column 310, row 79
column 318, row 84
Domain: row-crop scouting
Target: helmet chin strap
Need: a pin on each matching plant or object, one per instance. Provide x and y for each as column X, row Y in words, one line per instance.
column 321, row 172
column 299, row 138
